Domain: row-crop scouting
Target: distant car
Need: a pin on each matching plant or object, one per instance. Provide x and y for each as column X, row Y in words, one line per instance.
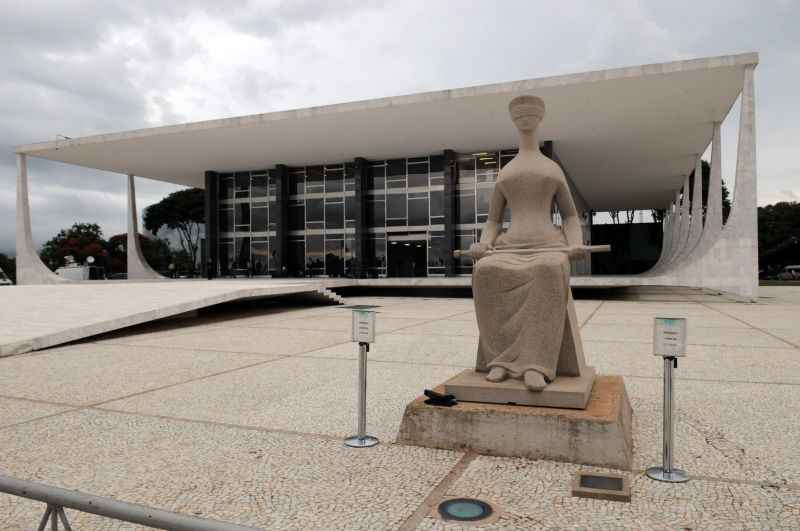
column 790, row 272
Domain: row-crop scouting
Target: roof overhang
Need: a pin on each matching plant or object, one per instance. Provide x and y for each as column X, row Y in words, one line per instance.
column 627, row 136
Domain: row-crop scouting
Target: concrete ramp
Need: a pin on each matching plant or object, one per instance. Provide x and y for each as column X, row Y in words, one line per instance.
column 37, row 317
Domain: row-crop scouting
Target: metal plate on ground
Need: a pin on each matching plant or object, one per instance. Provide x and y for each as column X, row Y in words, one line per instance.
column 602, row 485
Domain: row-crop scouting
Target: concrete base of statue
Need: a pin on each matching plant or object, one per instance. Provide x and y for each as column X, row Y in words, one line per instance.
column 598, row 435
column 570, row 392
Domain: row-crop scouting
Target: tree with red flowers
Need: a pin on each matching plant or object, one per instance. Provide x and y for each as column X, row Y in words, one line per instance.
column 80, row 241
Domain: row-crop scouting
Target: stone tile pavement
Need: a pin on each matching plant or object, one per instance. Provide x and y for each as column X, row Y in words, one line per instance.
column 239, row 416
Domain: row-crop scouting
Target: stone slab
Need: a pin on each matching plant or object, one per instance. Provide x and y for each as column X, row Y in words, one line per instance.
column 599, row 435
column 570, row 392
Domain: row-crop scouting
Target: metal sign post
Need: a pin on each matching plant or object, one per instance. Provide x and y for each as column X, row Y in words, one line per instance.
column 364, row 334
column 669, row 342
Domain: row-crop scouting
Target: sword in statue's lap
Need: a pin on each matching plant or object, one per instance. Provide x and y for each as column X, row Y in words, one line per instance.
column 466, row 253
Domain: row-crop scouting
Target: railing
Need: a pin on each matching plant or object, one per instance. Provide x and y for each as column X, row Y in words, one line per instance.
column 57, row 499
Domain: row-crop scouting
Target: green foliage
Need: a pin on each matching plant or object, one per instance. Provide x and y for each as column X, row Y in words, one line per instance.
column 156, row 252
column 9, row 266
column 182, row 211
column 81, row 241
column 778, row 235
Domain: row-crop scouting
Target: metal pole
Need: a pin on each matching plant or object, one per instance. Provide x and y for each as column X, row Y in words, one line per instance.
column 667, row 457
column 362, row 440
column 362, row 391
column 56, row 497
column 666, row 472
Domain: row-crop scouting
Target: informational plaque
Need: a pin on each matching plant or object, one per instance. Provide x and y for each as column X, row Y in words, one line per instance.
column 669, row 337
column 364, row 326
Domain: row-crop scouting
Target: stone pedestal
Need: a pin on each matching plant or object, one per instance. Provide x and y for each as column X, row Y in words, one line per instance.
column 570, row 392
column 599, row 435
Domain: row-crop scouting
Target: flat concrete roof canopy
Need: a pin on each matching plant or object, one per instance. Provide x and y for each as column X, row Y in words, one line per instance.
column 627, row 136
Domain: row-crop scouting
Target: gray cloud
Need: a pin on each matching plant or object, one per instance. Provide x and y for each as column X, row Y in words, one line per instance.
column 84, row 67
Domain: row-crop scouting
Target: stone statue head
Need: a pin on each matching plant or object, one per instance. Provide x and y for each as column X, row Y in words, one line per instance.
column 526, row 112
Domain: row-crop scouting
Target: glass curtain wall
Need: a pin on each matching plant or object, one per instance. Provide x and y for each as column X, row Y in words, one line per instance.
column 247, row 232
column 404, row 203
column 477, row 173
column 321, row 220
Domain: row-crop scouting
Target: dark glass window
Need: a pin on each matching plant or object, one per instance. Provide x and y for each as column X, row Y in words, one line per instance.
column 437, row 206
column 259, row 219
column 297, row 182
column 242, row 184
column 334, row 215
column 297, row 215
column 226, row 220
column 315, row 179
column 396, row 206
column 225, row 189
column 226, row 256
column 437, row 252
column 242, row 215
column 334, row 258
column 242, row 253
column 376, row 211
column 258, row 185
column 273, row 216
column 418, row 211
column 437, row 169
column 297, row 257
column 418, row 174
column 350, row 210
column 376, row 258
column 349, row 177
column 334, row 181
column 315, row 210
column 260, row 258
column 466, row 206
column 377, row 178
column 315, row 254
column 484, row 196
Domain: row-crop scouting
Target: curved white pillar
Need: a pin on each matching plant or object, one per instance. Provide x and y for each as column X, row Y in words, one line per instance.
column 138, row 268
column 696, row 217
column 30, row 268
column 683, row 230
column 729, row 261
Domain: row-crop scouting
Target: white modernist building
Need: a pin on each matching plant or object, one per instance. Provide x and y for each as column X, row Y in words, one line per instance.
column 389, row 187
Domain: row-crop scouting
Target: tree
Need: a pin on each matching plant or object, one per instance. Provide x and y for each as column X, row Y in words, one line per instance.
column 80, row 241
column 182, row 211
column 778, row 235
column 659, row 213
column 8, row 265
column 156, row 252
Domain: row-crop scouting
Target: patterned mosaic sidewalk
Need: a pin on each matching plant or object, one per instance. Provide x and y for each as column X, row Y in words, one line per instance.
column 239, row 416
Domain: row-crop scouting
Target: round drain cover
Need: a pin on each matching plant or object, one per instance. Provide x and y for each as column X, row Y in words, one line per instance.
column 465, row 509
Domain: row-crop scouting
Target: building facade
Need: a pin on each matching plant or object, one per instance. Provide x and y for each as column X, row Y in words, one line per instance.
column 360, row 219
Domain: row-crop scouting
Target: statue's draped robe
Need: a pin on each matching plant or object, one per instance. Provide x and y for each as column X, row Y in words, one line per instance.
column 521, row 303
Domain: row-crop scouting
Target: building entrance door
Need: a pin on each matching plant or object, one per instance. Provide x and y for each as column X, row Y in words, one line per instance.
column 407, row 258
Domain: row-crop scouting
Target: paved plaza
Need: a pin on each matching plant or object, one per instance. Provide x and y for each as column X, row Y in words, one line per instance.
column 239, row 415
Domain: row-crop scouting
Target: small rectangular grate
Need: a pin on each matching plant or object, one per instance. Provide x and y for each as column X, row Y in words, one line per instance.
column 603, row 486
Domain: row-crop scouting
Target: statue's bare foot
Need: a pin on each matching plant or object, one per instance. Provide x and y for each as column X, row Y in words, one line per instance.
column 497, row 374
column 534, row 381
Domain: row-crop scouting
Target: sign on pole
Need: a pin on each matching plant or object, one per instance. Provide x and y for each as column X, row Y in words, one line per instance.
column 669, row 337
column 364, row 326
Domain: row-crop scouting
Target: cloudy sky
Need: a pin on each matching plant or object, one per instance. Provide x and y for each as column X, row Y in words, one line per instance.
column 79, row 67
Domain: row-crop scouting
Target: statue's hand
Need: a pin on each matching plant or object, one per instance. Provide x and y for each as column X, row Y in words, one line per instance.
column 478, row 250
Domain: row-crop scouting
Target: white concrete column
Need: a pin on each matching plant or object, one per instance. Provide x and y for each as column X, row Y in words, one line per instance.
column 696, row 219
column 138, row 268
column 713, row 222
column 727, row 258
column 30, row 268
column 681, row 227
